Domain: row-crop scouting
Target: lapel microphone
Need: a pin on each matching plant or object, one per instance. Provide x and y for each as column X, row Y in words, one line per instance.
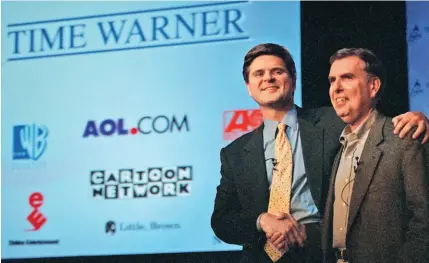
column 275, row 162
column 357, row 164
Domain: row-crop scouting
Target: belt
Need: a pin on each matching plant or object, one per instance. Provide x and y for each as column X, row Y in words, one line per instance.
column 342, row 253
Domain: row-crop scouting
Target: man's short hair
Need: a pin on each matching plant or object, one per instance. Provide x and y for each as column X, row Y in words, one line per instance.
column 269, row 49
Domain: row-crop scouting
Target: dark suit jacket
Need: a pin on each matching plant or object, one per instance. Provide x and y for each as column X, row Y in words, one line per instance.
column 243, row 192
column 388, row 216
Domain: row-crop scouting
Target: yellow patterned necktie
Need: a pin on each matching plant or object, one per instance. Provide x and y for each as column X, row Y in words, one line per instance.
column 281, row 184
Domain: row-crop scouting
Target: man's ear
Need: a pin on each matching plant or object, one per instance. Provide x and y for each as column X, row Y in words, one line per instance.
column 375, row 85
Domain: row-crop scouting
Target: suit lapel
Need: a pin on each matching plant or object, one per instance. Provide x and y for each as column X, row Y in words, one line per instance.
column 327, row 223
column 255, row 170
column 312, row 148
column 367, row 164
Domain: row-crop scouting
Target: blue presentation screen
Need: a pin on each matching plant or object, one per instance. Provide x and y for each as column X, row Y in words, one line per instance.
column 113, row 117
column 418, row 55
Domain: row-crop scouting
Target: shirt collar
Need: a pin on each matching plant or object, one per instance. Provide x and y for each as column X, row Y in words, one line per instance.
column 290, row 119
column 349, row 135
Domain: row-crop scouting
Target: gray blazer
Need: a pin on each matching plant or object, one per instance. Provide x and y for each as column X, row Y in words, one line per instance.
column 389, row 210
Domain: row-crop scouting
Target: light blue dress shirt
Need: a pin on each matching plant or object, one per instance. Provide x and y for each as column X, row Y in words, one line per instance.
column 303, row 208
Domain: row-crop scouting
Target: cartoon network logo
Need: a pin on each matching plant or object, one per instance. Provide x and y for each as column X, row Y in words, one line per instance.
column 146, row 125
column 133, row 183
column 29, row 141
column 111, row 227
column 239, row 122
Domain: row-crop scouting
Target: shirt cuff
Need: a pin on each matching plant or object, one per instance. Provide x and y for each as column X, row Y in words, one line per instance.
column 258, row 223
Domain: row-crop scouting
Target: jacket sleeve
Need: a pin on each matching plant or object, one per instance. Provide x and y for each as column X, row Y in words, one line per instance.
column 229, row 221
column 415, row 168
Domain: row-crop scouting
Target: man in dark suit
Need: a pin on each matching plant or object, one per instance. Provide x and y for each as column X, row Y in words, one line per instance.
column 244, row 211
column 377, row 208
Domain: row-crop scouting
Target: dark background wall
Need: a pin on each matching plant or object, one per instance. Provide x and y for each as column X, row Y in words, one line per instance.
column 326, row 27
column 379, row 26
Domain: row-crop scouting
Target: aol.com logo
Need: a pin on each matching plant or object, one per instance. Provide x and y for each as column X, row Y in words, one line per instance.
column 29, row 141
column 146, row 125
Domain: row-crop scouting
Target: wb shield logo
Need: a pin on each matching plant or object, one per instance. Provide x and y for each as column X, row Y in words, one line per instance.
column 110, row 228
column 29, row 141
